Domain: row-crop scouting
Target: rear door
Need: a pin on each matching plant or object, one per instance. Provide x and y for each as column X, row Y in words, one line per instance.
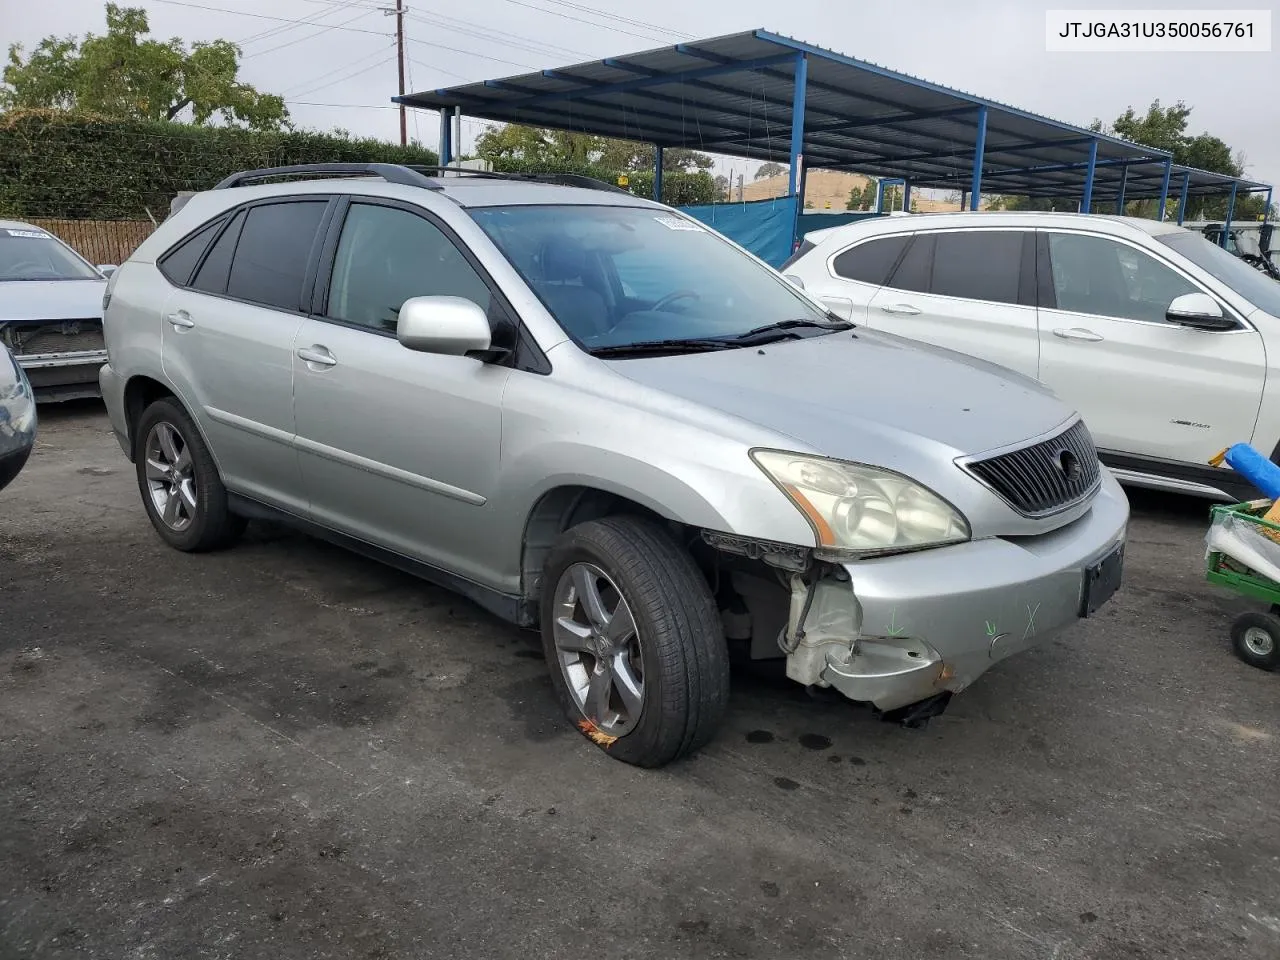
column 846, row 281
column 227, row 342
column 1146, row 386
column 969, row 290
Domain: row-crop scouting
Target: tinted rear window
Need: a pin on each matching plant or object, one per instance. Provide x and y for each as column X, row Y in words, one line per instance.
column 273, row 252
column 178, row 263
column 913, row 270
column 978, row 265
column 212, row 275
column 871, row 261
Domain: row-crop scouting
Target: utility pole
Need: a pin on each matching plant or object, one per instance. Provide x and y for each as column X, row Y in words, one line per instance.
column 398, row 12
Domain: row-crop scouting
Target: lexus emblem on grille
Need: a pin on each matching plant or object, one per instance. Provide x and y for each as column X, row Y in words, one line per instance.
column 1068, row 463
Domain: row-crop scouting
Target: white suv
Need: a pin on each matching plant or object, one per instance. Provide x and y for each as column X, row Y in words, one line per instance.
column 1158, row 337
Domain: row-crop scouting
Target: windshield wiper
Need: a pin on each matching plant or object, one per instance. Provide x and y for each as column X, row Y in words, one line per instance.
column 783, row 328
column 697, row 345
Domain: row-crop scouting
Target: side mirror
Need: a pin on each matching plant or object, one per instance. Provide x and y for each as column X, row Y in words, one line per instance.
column 450, row 326
column 792, row 279
column 1200, row 311
column 106, row 269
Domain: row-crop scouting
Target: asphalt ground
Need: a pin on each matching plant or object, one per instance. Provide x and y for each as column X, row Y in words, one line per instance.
column 284, row 750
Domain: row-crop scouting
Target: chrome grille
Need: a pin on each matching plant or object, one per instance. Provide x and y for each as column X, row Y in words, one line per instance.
column 66, row 336
column 1046, row 477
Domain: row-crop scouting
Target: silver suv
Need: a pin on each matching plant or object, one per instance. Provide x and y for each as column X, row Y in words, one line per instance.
column 588, row 412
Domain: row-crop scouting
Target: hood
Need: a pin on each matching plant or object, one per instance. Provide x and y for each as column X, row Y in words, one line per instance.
column 50, row 299
column 837, row 392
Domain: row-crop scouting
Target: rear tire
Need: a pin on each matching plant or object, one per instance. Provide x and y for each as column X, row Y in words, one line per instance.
column 179, row 482
column 641, row 666
column 1256, row 639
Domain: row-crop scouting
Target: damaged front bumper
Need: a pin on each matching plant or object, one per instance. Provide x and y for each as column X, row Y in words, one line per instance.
column 898, row 630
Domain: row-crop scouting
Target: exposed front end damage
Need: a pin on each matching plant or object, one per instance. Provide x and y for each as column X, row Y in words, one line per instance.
column 905, row 632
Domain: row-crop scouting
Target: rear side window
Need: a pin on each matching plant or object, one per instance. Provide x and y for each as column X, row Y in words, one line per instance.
column 178, row 263
column 273, row 252
column 212, row 275
column 872, row 261
column 978, row 265
column 913, row 270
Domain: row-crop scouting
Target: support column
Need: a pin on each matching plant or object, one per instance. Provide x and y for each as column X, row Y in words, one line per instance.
column 657, row 173
column 1182, row 200
column 1231, row 209
column 797, row 122
column 1124, row 179
column 880, row 195
column 979, row 148
column 1266, row 210
column 1164, row 187
column 906, row 196
column 446, row 137
column 1086, row 199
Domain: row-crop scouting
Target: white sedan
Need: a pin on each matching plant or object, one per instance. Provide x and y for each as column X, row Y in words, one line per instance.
column 1158, row 337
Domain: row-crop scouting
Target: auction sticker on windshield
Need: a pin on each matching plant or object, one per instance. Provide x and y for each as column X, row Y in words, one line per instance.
column 678, row 223
column 29, row 234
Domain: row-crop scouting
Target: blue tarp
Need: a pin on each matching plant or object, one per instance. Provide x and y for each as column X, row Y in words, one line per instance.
column 765, row 227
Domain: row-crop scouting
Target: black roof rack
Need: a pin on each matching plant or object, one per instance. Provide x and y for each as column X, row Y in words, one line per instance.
column 560, row 179
column 390, row 172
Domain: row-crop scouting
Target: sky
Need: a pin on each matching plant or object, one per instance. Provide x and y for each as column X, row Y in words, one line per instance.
column 334, row 60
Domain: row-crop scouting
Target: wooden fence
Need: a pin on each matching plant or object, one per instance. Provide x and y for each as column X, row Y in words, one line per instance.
column 99, row 241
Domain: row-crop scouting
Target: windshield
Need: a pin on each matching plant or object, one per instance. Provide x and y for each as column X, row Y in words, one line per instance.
column 30, row 254
column 617, row 276
column 1250, row 282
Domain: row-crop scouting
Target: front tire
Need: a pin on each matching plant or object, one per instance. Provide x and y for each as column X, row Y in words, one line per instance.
column 633, row 640
column 181, row 489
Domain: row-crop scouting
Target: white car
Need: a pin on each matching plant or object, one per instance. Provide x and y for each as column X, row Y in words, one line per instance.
column 1159, row 338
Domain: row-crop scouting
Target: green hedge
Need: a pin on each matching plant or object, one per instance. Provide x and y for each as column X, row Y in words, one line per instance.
column 59, row 165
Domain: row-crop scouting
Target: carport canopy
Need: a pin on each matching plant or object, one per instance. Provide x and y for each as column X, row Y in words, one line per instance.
column 768, row 97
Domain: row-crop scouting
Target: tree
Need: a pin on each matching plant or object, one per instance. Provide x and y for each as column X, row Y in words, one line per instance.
column 535, row 146
column 126, row 75
column 1165, row 128
column 769, row 169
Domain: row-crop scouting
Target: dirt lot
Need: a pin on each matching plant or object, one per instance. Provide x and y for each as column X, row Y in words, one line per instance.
column 285, row 751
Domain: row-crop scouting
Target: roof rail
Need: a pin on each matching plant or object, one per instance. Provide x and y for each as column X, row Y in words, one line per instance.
column 562, row 179
column 390, row 172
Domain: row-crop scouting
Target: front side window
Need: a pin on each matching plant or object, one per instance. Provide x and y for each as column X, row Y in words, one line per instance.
column 27, row 253
column 272, row 253
column 617, row 276
column 1100, row 276
column 387, row 256
column 870, row 261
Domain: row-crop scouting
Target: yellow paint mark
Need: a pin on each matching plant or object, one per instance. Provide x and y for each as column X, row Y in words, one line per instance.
column 595, row 734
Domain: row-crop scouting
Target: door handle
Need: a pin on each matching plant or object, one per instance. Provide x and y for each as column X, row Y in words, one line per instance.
column 317, row 354
column 904, row 309
column 1077, row 333
column 181, row 320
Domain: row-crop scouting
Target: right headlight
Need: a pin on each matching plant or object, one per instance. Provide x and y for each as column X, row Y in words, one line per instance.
column 857, row 510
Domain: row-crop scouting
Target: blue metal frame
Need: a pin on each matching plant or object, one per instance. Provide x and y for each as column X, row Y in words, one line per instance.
column 657, row 173
column 1182, row 200
column 446, row 137
column 1124, row 179
column 1266, row 210
column 1086, row 197
column 979, row 148
column 906, row 196
column 1231, row 209
column 1164, row 190
column 797, row 121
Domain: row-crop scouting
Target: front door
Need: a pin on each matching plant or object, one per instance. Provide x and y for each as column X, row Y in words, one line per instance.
column 397, row 447
column 1146, row 387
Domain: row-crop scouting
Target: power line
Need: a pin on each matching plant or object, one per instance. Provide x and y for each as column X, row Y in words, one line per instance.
column 437, row 69
column 338, row 79
column 481, row 32
column 471, row 53
column 591, row 23
column 258, row 16
column 361, row 106
column 333, row 5
column 310, row 36
column 613, row 16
